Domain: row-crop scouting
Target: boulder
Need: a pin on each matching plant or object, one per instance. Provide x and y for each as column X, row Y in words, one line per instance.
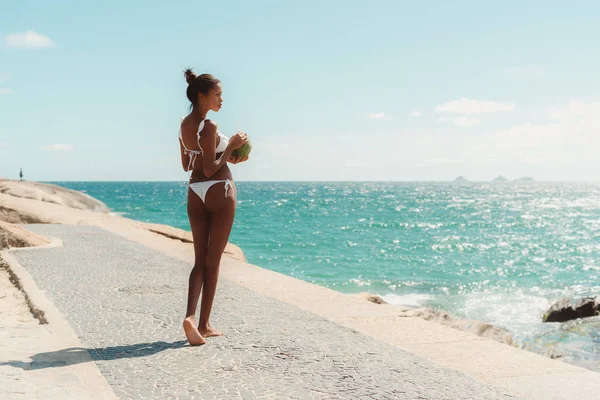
column 231, row 250
column 18, row 217
column 373, row 298
column 566, row 309
column 15, row 236
column 168, row 231
column 52, row 194
column 478, row 328
column 235, row 252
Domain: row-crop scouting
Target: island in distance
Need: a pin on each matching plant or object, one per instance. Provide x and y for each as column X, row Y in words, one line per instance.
column 500, row 178
column 526, row 179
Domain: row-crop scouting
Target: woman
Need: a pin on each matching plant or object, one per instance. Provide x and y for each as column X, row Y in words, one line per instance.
column 211, row 196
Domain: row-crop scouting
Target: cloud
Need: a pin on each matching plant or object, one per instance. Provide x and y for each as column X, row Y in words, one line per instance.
column 570, row 136
column 415, row 113
column 467, row 107
column 59, row 147
column 379, row 115
column 461, row 121
column 5, row 77
column 576, row 110
column 29, row 39
column 466, row 121
column 443, row 161
column 562, row 146
column 5, row 91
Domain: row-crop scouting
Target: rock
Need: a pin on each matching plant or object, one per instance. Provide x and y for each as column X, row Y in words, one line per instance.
column 484, row 329
column 235, row 252
column 526, row 179
column 52, row 194
column 373, row 298
column 15, row 236
column 231, row 250
column 500, row 179
column 553, row 354
column 461, row 179
column 18, row 217
column 71, row 202
column 478, row 328
column 169, row 231
column 431, row 314
column 565, row 309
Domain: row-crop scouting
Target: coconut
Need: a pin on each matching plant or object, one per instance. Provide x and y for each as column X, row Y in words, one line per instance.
column 243, row 151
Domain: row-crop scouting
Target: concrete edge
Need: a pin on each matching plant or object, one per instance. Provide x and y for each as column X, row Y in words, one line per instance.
column 54, row 242
column 63, row 335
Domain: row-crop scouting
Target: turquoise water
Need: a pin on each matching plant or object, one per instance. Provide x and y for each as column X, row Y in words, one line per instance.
column 500, row 253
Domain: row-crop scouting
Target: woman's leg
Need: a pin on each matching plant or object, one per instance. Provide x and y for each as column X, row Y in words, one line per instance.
column 199, row 222
column 222, row 213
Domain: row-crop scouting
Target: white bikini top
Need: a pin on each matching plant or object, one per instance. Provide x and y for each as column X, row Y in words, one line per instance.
column 223, row 143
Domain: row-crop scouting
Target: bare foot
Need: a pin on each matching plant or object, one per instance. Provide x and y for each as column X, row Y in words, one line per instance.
column 191, row 332
column 209, row 331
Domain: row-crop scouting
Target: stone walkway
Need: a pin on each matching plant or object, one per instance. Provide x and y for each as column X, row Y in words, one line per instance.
column 126, row 303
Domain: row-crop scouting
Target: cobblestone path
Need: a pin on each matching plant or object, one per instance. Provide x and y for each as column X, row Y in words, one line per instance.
column 126, row 303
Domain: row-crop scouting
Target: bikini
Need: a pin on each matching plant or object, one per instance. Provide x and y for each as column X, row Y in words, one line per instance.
column 201, row 188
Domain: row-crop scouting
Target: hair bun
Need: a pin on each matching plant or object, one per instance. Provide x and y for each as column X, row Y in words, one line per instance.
column 190, row 76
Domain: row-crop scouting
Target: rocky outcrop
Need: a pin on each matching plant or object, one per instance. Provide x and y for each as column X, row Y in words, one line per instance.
column 373, row 298
column 47, row 203
column 179, row 234
column 479, row 328
column 235, row 252
column 52, row 194
column 13, row 216
column 15, row 236
column 566, row 309
column 169, row 231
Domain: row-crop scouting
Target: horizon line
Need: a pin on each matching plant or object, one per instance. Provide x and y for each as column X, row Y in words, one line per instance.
column 518, row 180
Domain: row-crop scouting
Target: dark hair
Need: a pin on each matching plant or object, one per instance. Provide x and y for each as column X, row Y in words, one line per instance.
column 198, row 84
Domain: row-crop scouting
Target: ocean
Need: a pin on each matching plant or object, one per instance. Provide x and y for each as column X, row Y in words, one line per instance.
column 495, row 252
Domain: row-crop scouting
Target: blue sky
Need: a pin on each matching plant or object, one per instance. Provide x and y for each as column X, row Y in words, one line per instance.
column 328, row 90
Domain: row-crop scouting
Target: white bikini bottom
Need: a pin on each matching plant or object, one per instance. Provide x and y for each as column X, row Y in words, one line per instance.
column 201, row 188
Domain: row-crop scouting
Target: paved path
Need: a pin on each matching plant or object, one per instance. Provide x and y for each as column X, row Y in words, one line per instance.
column 126, row 303
column 23, row 377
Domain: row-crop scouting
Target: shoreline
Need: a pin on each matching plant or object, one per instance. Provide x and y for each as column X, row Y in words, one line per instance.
column 485, row 359
column 440, row 316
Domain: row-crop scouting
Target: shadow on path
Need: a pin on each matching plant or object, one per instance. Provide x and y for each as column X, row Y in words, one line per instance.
column 76, row 355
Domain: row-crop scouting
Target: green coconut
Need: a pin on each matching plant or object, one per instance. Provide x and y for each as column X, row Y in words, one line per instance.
column 243, row 151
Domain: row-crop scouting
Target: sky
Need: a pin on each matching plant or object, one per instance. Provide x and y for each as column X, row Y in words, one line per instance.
column 326, row 90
